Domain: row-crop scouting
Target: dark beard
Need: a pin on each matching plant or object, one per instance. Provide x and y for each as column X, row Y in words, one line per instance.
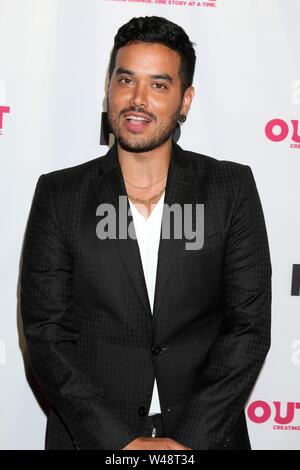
column 151, row 143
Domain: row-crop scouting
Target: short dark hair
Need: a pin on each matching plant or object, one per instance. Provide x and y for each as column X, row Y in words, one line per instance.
column 159, row 30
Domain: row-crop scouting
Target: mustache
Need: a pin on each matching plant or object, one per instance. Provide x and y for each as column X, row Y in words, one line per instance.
column 137, row 110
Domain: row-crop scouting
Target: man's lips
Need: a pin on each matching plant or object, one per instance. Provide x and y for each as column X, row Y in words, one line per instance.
column 132, row 116
column 136, row 122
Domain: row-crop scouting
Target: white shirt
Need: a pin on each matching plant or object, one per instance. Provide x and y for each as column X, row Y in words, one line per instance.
column 148, row 236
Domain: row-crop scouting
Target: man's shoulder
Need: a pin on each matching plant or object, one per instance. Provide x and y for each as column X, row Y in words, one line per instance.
column 217, row 171
column 218, row 176
column 215, row 164
column 74, row 173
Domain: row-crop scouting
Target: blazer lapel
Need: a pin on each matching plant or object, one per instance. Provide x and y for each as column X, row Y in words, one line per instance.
column 178, row 190
column 113, row 186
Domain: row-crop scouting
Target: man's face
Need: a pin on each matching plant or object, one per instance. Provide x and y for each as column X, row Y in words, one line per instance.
column 145, row 81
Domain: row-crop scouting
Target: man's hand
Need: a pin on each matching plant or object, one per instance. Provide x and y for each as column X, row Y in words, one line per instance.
column 154, row 443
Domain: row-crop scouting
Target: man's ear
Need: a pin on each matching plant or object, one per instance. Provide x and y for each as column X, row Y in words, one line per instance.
column 187, row 99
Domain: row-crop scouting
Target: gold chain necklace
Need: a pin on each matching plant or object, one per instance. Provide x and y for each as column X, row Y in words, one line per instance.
column 145, row 187
column 146, row 201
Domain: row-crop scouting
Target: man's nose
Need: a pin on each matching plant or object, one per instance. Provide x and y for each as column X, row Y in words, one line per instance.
column 139, row 96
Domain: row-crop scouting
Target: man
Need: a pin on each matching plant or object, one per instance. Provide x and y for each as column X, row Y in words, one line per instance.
column 140, row 342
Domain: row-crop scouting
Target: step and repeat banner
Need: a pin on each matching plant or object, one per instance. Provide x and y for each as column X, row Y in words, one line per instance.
column 53, row 70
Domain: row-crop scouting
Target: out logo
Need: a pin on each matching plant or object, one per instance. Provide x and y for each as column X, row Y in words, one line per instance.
column 278, row 130
column 3, row 110
column 260, row 412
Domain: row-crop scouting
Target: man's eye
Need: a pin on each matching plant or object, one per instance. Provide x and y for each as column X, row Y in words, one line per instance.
column 124, row 78
column 160, row 85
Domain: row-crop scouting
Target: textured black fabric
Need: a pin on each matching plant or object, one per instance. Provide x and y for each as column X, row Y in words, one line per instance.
column 87, row 318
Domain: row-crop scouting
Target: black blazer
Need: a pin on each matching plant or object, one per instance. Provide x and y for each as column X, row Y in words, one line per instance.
column 93, row 342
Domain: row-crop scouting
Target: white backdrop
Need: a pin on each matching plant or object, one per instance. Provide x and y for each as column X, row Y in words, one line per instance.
column 53, row 65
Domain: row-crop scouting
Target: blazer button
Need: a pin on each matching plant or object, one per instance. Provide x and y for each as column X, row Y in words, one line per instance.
column 227, row 442
column 142, row 411
column 156, row 350
column 76, row 445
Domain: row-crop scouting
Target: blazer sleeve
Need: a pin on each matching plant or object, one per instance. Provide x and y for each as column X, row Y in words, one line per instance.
column 51, row 334
column 236, row 357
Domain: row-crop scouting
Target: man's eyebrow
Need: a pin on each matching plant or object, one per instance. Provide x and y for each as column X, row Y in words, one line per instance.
column 121, row 70
column 163, row 76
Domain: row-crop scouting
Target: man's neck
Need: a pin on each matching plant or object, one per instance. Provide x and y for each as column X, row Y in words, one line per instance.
column 144, row 169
